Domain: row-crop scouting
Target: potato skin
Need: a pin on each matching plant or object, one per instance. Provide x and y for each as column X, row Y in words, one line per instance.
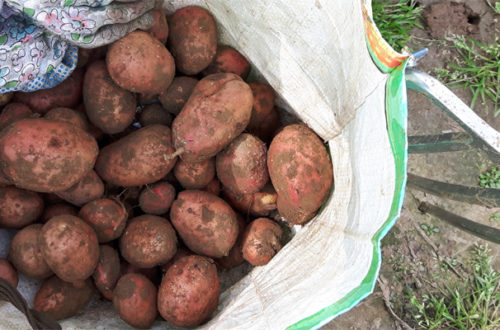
column 159, row 29
column 13, row 112
column 227, row 59
column 301, row 172
column 206, row 223
column 70, row 247
column 213, row 187
column 217, row 111
column 176, row 95
column 108, row 106
column 60, row 299
column 157, row 198
column 134, row 297
column 19, row 207
column 192, row 39
column 235, row 256
column 259, row 203
column 51, row 156
column 8, row 273
column 265, row 118
column 148, row 241
column 25, row 253
column 155, row 114
column 137, row 159
column 195, row 175
column 106, row 216
column 140, row 63
column 5, row 98
column 89, row 188
column 53, row 210
column 189, row 292
column 69, row 116
column 261, row 241
column 107, row 272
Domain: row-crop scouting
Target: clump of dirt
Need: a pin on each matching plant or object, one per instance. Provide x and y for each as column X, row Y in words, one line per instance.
column 451, row 17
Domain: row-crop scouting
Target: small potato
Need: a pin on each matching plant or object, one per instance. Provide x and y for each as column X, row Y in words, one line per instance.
column 61, row 300
column 242, row 165
column 195, row 175
column 228, row 59
column 148, row 241
column 8, row 273
column 265, row 118
column 192, row 39
column 19, row 207
column 58, row 209
column 189, row 292
column 157, row 198
column 70, row 247
column 140, row 63
column 213, row 187
column 69, row 116
column 235, row 256
column 206, row 223
column 176, row 95
column 13, row 112
column 89, row 188
column 155, row 114
column 217, row 111
column 261, row 241
column 107, row 272
column 134, row 298
column 25, row 253
column 106, row 216
column 159, row 29
column 269, row 126
column 259, row 204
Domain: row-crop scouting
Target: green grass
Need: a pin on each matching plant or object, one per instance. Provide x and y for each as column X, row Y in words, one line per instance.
column 395, row 20
column 490, row 179
column 495, row 217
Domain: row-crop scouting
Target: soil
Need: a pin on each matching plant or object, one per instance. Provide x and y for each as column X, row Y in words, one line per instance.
column 411, row 258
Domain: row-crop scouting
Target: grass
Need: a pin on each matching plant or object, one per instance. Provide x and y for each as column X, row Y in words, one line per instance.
column 490, row 179
column 429, row 229
column 395, row 20
column 495, row 217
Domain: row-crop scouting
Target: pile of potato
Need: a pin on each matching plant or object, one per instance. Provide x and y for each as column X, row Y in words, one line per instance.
column 172, row 167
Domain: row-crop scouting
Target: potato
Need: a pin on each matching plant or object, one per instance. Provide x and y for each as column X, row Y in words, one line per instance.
column 269, row 126
column 69, row 116
column 70, row 248
column 152, row 273
column 25, row 253
column 61, row 300
column 5, row 98
column 157, row 198
column 148, row 241
column 140, row 63
column 228, row 59
column 54, row 210
column 67, row 94
column 108, row 106
column 159, row 29
column 242, row 165
column 235, row 256
column 181, row 252
column 8, row 273
column 19, row 207
column 260, row 203
column 261, row 241
column 192, row 39
column 89, row 188
column 13, row 112
column 213, row 187
column 137, row 159
column 106, row 216
column 89, row 55
column 51, row 156
column 155, row 114
column 206, row 223
column 301, row 172
column 107, row 272
column 195, row 175
column 134, row 298
column 176, row 95
column 189, row 292
column 217, row 111
column 265, row 118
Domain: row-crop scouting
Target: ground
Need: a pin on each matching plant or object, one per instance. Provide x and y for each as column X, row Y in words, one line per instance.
column 415, row 259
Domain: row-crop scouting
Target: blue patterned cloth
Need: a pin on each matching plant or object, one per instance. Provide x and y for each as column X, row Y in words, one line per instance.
column 39, row 38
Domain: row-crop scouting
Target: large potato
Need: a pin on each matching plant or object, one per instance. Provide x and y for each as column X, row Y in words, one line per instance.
column 44, row 155
column 217, row 111
column 107, row 272
column 137, row 159
column 301, row 172
column 19, row 207
column 106, row 216
column 89, row 188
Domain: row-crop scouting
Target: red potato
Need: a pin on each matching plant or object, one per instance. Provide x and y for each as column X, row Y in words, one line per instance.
column 148, row 241
column 192, row 39
column 213, row 187
column 13, row 112
column 134, row 298
column 217, row 111
column 159, row 29
column 109, row 107
column 269, row 126
column 261, row 241
column 107, row 271
column 8, row 273
column 206, row 223
column 70, row 247
column 259, row 204
column 25, row 253
column 181, row 252
column 189, row 292
column 61, row 300
column 301, row 172
column 153, row 273
column 176, row 95
column 67, row 94
column 155, row 114
column 54, row 210
column 235, row 256
column 195, row 175
column 137, row 159
column 19, row 207
column 51, row 156
column 69, row 116
column 242, row 165
column 89, row 188
column 140, row 63
column 157, row 198
column 227, row 59
column 265, row 118
column 106, row 216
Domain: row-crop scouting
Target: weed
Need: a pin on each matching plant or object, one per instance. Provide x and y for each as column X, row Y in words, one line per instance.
column 495, row 217
column 490, row 179
column 429, row 229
